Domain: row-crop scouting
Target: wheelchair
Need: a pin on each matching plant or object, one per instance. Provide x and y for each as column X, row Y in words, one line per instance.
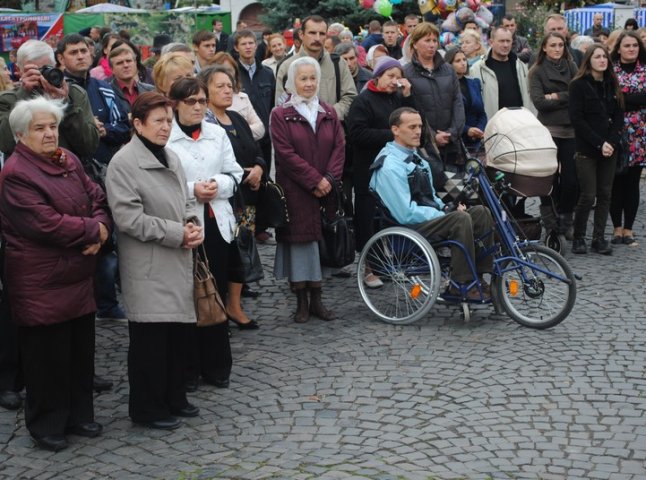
column 531, row 283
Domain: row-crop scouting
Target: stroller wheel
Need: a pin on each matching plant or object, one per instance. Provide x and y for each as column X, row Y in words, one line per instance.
column 556, row 241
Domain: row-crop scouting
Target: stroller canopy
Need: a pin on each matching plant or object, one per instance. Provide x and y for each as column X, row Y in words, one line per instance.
column 516, row 142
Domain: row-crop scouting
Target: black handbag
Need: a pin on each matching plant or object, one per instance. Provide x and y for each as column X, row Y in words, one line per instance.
column 271, row 208
column 246, row 268
column 337, row 245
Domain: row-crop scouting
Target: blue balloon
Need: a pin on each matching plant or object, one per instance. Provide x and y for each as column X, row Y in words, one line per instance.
column 395, row 2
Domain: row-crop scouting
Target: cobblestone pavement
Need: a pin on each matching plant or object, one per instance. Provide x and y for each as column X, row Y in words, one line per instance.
column 357, row 398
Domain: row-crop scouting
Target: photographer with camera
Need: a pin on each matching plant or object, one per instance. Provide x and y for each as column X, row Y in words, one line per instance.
column 78, row 131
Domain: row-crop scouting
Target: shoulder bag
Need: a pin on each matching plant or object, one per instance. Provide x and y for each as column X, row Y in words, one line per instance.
column 337, row 245
column 209, row 308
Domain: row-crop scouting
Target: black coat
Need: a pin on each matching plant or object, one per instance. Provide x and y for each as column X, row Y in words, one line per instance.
column 246, row 151
column 596, row 115
column 437, row 96
column 368, row 130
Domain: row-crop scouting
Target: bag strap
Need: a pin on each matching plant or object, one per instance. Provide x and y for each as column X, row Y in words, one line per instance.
column 239, row 198
column 338, row 194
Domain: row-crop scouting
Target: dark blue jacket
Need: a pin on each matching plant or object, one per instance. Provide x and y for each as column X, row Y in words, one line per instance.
column 261, row 90
column 474, row 111
column 107, row 107
column 372, row 39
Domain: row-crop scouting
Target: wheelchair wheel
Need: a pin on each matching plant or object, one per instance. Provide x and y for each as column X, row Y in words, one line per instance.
column 556, row 241
column 410, row 271
column 530, row 296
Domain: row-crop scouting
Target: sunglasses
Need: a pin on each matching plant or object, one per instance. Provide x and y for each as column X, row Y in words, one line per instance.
column 192, row 101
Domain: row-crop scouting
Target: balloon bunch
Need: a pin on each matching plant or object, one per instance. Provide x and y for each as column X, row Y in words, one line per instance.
column 456, row 13
column 382, row 7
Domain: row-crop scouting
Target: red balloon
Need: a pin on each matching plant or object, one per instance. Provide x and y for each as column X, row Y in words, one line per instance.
column 367, row 3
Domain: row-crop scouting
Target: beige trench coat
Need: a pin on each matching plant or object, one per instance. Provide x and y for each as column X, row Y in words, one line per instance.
column 150, row 205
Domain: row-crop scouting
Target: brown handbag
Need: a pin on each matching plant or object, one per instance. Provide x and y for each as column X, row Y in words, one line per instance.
column 209, row 308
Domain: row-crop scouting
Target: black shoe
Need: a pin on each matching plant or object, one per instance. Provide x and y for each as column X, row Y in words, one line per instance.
column 601, row 246
column 191, row 386
column 617, row 240
column 250, row 325
column 101, row 384
column 248, row 292
column 218, row 383
column 10, row 400
column 188, row 411
column 53, row 443
column 170, row 423
column 90, row 429
column 579, row 246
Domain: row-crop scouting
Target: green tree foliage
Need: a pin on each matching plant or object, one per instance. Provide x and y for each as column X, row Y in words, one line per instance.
column 280, row 14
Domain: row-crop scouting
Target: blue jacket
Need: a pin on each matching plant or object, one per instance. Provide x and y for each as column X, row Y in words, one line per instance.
column 390, row 182
column 475, row 115
column 371, row 40
column 110, row 111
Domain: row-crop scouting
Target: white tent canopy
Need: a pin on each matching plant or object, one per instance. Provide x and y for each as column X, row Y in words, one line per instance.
column 109, row 8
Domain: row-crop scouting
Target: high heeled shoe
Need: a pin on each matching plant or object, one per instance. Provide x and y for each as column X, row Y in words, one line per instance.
column 250, row 325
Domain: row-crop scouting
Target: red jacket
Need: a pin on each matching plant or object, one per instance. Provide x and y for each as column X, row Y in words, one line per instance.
column 49, row 213
column 302, row 158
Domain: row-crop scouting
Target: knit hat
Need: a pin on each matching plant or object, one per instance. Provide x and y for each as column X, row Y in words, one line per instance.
column 383, row 64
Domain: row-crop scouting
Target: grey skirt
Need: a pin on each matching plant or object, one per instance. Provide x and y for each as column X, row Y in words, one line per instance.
column 299, row 262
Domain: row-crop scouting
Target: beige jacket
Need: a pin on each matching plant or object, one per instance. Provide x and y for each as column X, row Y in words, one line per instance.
column 489, row 83
column 150, row 204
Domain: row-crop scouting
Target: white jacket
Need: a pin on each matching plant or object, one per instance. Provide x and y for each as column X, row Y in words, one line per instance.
column 209, row 157
column 489, row 83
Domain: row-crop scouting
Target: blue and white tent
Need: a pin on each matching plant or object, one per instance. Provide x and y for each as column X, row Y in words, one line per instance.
column 614, row 16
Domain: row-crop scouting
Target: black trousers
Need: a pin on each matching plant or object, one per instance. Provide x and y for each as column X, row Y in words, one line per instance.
column 595, row 175
column 58, row 365
column 210, row 351
column 566, row 186
column 10, row 368
column 157, row 369
column 625, row 198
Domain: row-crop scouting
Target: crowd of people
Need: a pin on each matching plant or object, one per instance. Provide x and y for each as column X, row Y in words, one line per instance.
column 116, row 169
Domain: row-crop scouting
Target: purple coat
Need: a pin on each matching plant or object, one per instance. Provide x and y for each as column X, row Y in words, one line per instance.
column 302, row 158
column 49, row 213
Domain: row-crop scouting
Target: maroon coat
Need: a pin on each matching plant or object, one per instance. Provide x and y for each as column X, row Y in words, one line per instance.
column 302, row 158
column 49, row 213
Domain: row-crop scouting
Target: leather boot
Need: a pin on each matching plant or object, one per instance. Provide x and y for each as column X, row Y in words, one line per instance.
column 316, row 306
column 566, row 225
column 302, row 314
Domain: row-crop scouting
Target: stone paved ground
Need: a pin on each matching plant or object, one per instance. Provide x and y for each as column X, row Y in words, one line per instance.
column 357, row 399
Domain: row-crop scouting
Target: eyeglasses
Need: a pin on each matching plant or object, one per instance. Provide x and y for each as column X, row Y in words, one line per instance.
column 192, row 101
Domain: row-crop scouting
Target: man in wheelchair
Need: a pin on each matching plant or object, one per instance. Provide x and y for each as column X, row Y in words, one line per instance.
column 402, row 180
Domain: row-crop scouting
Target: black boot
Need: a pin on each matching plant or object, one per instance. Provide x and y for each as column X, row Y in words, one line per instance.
column 316, row 306
column 302, row 314
column 566, row 225
column 579, row 246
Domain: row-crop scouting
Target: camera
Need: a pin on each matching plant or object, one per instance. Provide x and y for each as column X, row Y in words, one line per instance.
column 53, row 76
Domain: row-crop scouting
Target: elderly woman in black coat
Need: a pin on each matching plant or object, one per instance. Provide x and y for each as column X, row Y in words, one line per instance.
column 368, row 132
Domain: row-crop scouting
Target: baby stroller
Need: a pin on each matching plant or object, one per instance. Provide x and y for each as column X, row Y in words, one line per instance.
column 520, row 147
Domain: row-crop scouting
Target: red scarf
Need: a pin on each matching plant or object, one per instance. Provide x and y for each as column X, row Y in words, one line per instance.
column 59, row 157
